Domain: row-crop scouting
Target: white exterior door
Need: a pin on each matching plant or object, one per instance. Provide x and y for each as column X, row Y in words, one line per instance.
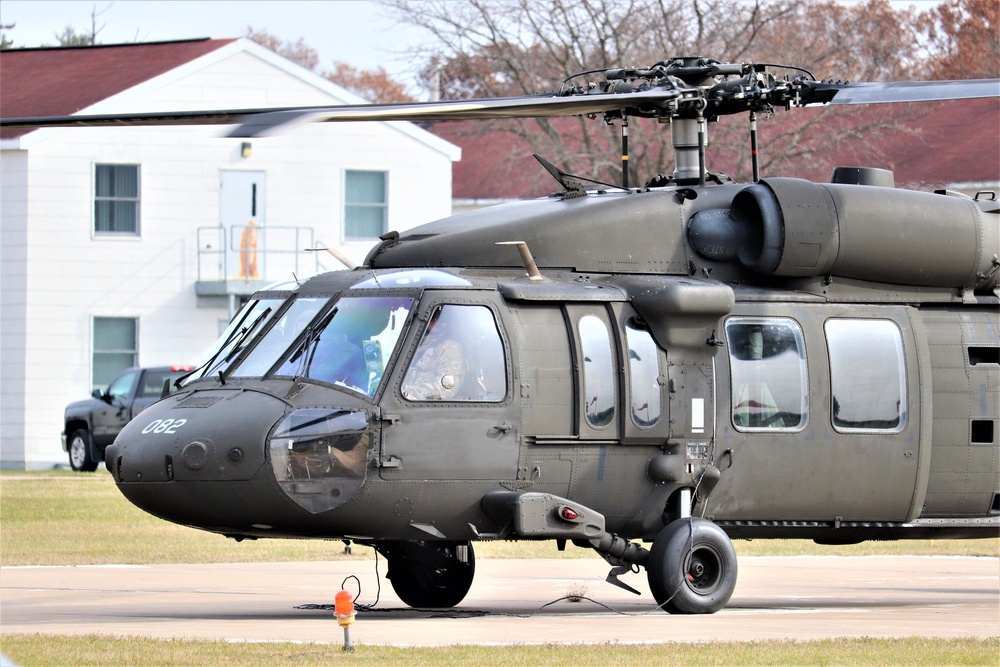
column 241, row 212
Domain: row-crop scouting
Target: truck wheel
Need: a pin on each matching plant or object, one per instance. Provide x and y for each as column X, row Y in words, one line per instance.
column 80, row 459
column 692, row 567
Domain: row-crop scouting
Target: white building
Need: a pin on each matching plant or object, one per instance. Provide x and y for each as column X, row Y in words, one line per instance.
column 122, row 246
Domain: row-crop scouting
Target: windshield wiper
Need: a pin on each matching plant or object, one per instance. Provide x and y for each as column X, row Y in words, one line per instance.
column 308, row 344
column 236, row 330
column 244, row 334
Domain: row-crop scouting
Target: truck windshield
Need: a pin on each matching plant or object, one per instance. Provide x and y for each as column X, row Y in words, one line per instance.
column 349, row 345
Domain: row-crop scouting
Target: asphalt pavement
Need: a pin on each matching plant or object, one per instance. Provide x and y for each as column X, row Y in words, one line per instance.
column 511, row 601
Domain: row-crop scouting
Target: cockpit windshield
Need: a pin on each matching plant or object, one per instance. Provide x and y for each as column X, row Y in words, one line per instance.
column 348, row 344
column 296, row 318
column 241, row 330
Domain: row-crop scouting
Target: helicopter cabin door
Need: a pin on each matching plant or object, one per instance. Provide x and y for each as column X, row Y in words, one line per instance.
column 823, row 415
column 451, row 415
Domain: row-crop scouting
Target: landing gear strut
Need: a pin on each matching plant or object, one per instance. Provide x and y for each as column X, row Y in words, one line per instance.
column 692, row 567
column 429, row 574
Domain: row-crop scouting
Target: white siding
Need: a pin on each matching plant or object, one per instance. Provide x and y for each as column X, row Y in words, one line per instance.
column 13, row 303
column 58, row 275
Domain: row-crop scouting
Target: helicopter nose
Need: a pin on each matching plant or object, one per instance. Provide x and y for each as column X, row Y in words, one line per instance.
column 197, row 458
column 230, row 460
column 215, row 435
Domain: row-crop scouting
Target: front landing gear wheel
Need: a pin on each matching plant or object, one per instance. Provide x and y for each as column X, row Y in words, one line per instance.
column 430, row 574
column 692, row 567
column 80, row 459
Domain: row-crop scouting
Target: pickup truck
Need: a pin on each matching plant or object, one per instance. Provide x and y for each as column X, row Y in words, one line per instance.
column 94, row 423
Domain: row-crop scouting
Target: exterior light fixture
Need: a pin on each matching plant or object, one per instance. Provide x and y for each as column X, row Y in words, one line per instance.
column 344, row 612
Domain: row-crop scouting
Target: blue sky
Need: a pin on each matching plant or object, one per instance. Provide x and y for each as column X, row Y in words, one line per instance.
column 357, row 32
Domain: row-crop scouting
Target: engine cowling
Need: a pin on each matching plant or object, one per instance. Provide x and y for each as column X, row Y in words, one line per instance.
column 795, row 228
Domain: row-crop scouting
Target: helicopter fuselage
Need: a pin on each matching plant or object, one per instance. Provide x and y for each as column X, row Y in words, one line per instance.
column 783, row 359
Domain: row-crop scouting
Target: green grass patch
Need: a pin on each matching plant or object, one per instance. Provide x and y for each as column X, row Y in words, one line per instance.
column 106, row 650
column 66, row 518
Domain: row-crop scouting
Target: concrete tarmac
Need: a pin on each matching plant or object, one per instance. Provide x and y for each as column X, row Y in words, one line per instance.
column 797, row 597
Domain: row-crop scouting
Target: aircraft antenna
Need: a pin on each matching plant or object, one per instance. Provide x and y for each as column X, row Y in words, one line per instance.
column 702, row 140
column 624, row 152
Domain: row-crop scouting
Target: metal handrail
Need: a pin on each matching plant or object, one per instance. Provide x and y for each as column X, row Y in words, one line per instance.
column 278, row 249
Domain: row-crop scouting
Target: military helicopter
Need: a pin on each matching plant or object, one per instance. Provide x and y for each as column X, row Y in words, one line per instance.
column 648, row 372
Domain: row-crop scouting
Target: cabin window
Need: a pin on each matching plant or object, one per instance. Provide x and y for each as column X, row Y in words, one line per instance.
column 598, row 371
column 460, row 358
column 116, row 199
column 768, row 374
column 116, row 347
column 365, row 205
column 867, row 374
column 644, row 374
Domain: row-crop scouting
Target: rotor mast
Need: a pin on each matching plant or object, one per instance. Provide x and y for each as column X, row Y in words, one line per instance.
column 689, row 137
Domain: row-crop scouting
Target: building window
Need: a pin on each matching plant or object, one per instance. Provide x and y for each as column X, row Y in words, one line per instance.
column 116, row 199
column 768, row 366
column 868, row 375
column 116, row 346
column 365, row 205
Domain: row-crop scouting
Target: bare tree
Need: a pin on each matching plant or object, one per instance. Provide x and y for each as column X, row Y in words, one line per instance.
column 298, row 52
column 373, row 85
column 5, row 41
column 70, row 37
column 962, row 38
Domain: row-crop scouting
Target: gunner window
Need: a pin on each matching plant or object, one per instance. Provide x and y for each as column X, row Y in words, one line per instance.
column 460, row 358
column 644, row 372
column 868, row 375
column 598, row 372
column 768, row 366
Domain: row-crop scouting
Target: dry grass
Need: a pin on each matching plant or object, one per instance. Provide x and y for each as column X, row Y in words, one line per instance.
column 64, row 518
column 106, row 650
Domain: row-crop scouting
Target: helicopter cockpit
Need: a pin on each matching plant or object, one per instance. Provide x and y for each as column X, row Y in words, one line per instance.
column 344, row 342
column 348, row 340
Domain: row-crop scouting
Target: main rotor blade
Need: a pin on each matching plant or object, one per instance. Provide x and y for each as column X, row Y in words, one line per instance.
column 915, row 91
column 219, row 117
column 259, row 122
column 475, row 109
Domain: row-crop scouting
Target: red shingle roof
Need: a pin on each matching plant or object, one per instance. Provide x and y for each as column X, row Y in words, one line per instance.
column 62, row 81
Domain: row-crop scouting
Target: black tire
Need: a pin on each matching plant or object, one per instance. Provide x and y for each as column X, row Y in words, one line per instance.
column 78, row 448
column 429, row 574
column 692, row 567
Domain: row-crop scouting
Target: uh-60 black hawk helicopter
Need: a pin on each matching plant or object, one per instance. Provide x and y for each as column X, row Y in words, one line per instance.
column 682, row 363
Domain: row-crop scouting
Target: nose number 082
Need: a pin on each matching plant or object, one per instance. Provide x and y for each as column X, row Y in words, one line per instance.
column 164, row 425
